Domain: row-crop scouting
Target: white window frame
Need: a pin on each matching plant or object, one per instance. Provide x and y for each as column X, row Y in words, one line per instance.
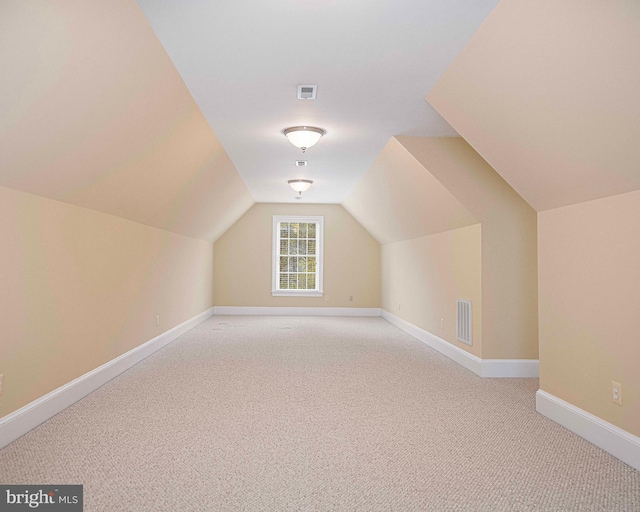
column 275, row 261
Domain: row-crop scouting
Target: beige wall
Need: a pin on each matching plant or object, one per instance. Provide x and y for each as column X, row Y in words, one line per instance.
column 447, row 185
column 509, row 243
column 423, row 277
column 589, row 257
column 80, row 288
column 546, row 92
column 243, row 255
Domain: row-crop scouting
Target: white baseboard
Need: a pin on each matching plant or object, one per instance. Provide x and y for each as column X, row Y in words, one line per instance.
column 522, row 368
column 619, row 443
column 301, row 311
column 482, row 367
column 462, row 357
column 31, row 415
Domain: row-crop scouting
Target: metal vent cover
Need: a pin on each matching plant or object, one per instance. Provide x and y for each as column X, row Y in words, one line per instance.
column 463, row 321
column 307, row 92
column 301, row 163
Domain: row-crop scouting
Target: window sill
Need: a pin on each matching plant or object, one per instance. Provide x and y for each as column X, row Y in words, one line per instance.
column 296, row 293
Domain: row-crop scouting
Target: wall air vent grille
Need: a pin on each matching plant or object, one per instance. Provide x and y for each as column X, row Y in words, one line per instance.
column 307, row 92
column 301, row 163
column 463, row 321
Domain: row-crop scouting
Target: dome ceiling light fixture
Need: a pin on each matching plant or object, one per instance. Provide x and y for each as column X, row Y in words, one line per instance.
column 300, row 186
column 304, row 137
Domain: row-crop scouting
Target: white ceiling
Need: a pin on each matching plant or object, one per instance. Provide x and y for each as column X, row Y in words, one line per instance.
column 373, row 61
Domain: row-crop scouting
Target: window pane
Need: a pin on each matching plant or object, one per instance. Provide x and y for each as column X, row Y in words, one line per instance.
column 297, row 253
column 311, row 264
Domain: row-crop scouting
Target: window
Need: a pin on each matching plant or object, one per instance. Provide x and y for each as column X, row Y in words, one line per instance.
column 297, row 256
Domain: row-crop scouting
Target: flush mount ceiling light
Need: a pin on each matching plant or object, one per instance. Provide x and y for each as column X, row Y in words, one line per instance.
column 300, row 186
column 304, row 137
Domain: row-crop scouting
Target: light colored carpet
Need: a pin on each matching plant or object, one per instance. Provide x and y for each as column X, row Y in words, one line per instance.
column 293, row 413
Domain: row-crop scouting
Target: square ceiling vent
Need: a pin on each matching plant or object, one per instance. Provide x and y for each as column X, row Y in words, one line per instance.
column 307, row 92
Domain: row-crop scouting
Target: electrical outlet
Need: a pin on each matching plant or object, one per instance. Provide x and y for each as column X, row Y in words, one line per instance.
column 157, row 320
column 442, row 323
column 616, row 392
column 350, row 298
column 398, row 306
column 1, row 382
column 326, row 297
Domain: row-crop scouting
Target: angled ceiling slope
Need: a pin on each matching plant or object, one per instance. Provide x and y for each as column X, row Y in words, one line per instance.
column 399, row 199
column 547, row 93
column 95, row 114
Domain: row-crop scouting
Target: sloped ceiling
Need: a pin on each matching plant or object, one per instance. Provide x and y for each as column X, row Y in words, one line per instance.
column 95, row 114
column 399, row 199
column 547, row 93
column 469, row 178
